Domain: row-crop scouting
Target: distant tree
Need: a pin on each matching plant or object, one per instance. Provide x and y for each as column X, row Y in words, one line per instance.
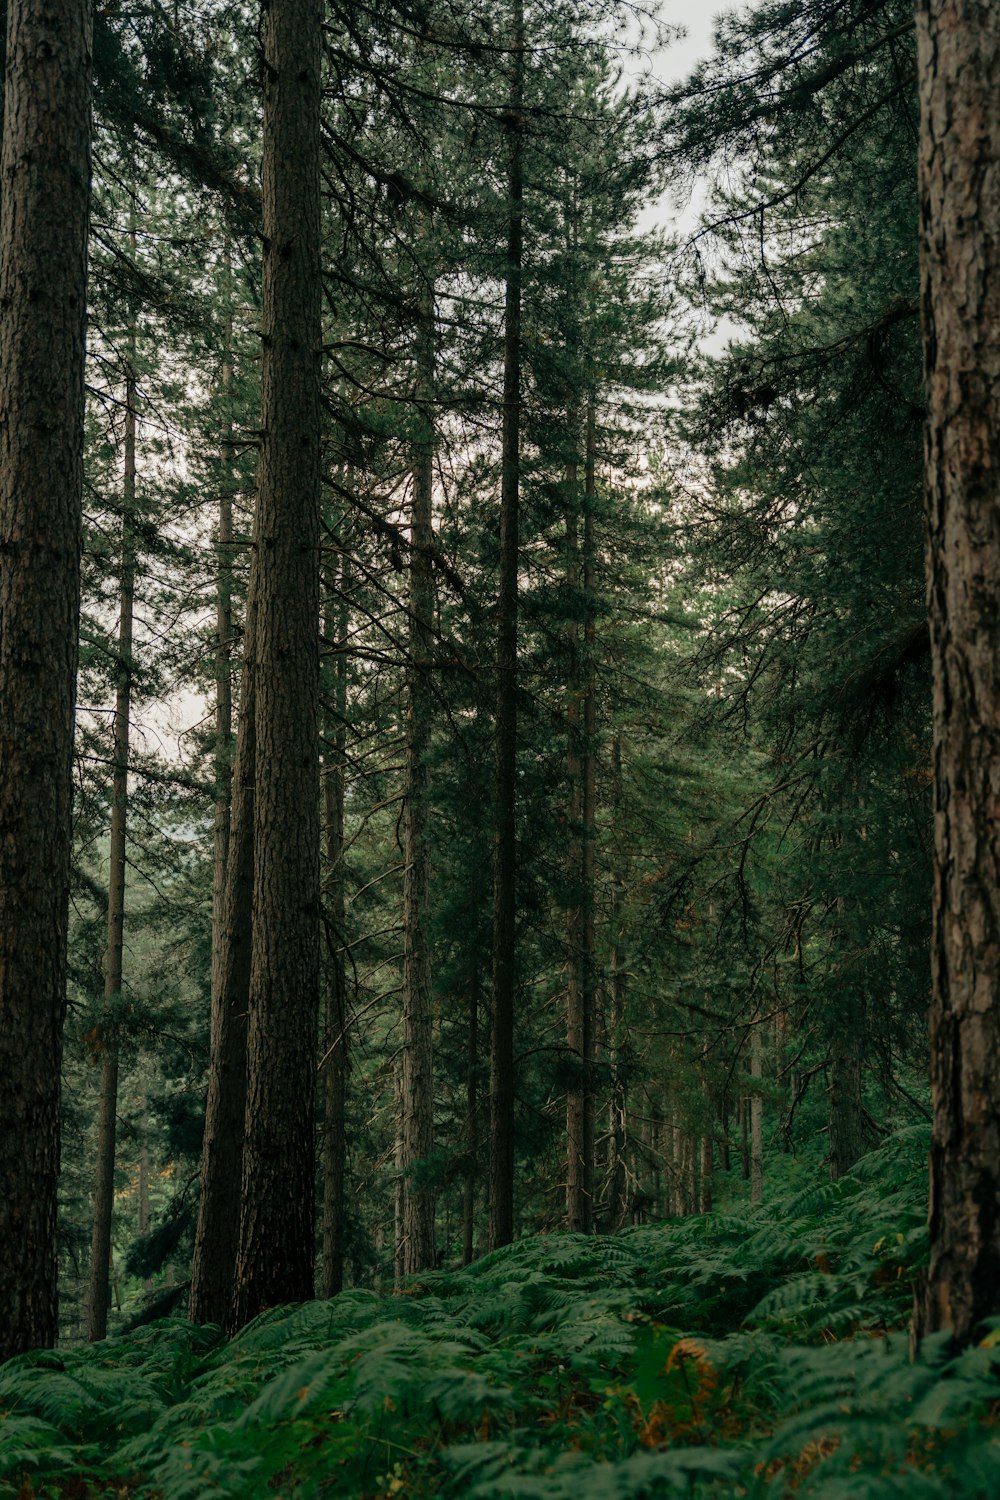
column 44, row 202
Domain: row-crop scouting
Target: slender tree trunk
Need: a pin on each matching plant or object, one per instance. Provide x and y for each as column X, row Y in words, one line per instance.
column 223, row 649
column 399, row 1199
column 336, row 1062
column 104, row 1181
column 756, row 1114
column 958, row 66
column 744, row 1112
column 471, row 1122
column 418, row 1055
column 847, row 1133
column 576, row 1200
column 214, row 1263
column 277, row 1225
column 724, row 1121
column 505, row 854
column 588, row 955
column 618, row 1116
column 707, row 1140
column 216, row 1241
column 44, row 197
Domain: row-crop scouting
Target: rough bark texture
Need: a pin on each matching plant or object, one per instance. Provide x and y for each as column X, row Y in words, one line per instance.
column 959, row 64
column 277, row 1226
column 44, row 193
column 213, row 1272
column 505, row 849
column 104, row 1178
column 418, row 1053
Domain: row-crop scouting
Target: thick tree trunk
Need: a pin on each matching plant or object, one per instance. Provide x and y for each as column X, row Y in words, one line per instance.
column 104, row 1179
column 336, row 1061
column 418, row 1045
column 216, row 1241
column 277, row 1225
column 959, row 63
column 44, row 195
column 505, row 852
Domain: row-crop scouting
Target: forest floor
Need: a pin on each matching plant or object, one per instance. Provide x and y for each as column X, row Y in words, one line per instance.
column 761, row 1352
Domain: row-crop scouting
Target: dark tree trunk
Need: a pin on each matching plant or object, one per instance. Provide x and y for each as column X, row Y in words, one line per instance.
column 471, row 1121
column 44, row 194
column 958, row 65
column 418, row 1044
column 505, row 853
column 223, row 648
column 582, row 766
column 104, row 1178
column 756, row 1113
column 277, row 1225
column 213, row 1274
column 847, row 1128
column 618, row 1116
column 336, row 1060
column 576, row 1201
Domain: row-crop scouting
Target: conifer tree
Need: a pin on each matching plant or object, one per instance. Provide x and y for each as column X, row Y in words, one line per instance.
column 44, row 202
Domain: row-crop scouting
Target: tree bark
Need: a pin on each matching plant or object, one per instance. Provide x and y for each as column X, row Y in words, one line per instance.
column 756, row 1114
column 418, row 1038
column 104, row 1181
column 505, row 848
column 471, row 1120
column 277, row 1225
column 216, row 1241
column 336, row 1061
column 847, row 1131
column 958, row 66
column 44, row 199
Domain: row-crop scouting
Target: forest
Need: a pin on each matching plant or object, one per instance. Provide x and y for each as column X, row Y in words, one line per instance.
column 499, row 687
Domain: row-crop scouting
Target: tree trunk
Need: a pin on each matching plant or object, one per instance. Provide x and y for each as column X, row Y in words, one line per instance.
column 216, row 1241
column 576, row 1197
column 588, row 954
column 104, row 1181
column 958, row 65
column 418, row 1055
column 44, row 193
column 505, row 853
column 618, row 1116
column 471, row 1121
column 756, row 1114
column 336, row 1062
column 223, row 647
column 847, row 1131
column 277, row 1226
column 399, row 1196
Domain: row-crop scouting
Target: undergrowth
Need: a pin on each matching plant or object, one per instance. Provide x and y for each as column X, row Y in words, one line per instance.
column 759, row 1353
